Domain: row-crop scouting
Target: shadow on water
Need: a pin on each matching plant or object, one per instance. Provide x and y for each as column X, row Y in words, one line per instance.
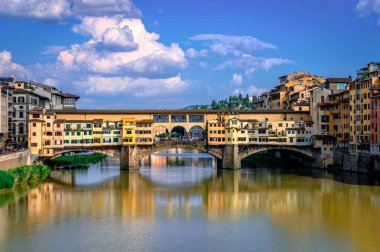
column 293, row 167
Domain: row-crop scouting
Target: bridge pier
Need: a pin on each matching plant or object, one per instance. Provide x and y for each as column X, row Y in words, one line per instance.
column 231, row 159
column 129, row 158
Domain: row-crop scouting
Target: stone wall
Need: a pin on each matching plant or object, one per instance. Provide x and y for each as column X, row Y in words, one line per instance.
column 14, row 160
column 358, row 162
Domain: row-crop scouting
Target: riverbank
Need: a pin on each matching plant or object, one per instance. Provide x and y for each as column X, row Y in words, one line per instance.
column 24, row 175
column 77, row 159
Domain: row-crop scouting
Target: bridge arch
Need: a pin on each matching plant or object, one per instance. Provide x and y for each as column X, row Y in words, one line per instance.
column 179, row 131
column 196, row 131
column 305, row 152
column 111, row 151
column 160, row 130
column 196, row 145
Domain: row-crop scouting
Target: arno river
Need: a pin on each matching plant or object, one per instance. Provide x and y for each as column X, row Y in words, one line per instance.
column 181, row 202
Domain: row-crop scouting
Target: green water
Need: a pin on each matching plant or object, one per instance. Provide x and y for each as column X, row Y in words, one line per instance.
column 181, row 202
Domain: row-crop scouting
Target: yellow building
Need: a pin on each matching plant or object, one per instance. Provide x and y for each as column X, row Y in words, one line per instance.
column 340, row 117
column 293, row 88
column 360, row 103
column 129, row 131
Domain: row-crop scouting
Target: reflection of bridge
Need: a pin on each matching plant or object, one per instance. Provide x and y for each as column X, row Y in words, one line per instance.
column 228, row 156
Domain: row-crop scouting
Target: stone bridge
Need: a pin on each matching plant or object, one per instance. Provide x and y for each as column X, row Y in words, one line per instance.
column 228, row 156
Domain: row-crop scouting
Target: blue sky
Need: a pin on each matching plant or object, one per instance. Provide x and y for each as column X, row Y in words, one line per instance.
column 170, row 54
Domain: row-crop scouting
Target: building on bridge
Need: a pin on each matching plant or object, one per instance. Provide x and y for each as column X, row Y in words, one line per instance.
column 54, row 132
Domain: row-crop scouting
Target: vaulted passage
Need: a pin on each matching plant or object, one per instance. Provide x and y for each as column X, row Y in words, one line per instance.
column 178, row 132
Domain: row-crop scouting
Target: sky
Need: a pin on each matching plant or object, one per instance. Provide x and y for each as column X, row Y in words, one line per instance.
column 122, row 54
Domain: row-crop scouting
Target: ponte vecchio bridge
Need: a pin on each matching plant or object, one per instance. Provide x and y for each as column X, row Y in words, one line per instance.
column 130, row 135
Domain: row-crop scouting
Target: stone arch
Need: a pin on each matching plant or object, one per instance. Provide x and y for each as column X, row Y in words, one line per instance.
column 304, row 151
column 111, row 152
column 196, row 131
column 215, row 152
column 180, row 130
column 160, row 129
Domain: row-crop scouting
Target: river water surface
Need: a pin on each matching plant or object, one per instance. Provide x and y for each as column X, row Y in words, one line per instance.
column 179, row 201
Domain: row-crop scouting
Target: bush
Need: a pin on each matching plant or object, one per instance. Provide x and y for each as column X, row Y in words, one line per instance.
column 77, row 160
column 6, row 180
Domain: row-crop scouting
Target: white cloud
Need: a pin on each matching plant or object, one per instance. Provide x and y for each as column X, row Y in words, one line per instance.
column 105, row 8
column 367, row 7
column 8, row 68
column 54, row 49
column 192, row 53
column 250, row 64
column 147, row 57
column 41, row 9
column 235, row 45
column 203, row 64
column 140, row 87
column 60, row 9
column 237, row 79
column 252, row 90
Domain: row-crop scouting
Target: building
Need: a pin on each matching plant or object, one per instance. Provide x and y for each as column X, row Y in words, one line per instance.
column 3, row 114
column 51, row 131
column 337, row 84
column 360, row 103
column 375, row 116
column 293, row 88
column 28, row 96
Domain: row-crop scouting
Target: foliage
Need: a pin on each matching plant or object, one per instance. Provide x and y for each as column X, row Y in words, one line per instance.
column 163, row 135
column 29, row 174
column 23, row 175
column 235, row 102
column 6, row 180
column 78, row 159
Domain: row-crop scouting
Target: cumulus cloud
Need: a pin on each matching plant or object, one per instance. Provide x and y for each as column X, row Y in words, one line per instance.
column 138, row 53
column 234, row 45
column 60, row 9
column 140, row 87
column 250, row 63
column 367, row 7
column 237, row 79
column 9, row 68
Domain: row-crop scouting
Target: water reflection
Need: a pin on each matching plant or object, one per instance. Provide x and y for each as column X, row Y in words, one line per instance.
column 94, row 174
column 220, row 210
column 177, row 168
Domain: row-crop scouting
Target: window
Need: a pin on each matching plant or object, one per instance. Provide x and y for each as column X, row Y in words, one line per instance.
column 34, row 134
column 21, row 114
column 196, row 118
column 67, row 133
column 116, row 140
column 34, row 101
column 161, row 118
column 325, row 118
column 78, row 133
column 78, row 126
column 34, row 125
column 33, row 144
column 36, row 116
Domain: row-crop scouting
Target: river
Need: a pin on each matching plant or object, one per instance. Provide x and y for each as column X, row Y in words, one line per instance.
column 179, row 201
